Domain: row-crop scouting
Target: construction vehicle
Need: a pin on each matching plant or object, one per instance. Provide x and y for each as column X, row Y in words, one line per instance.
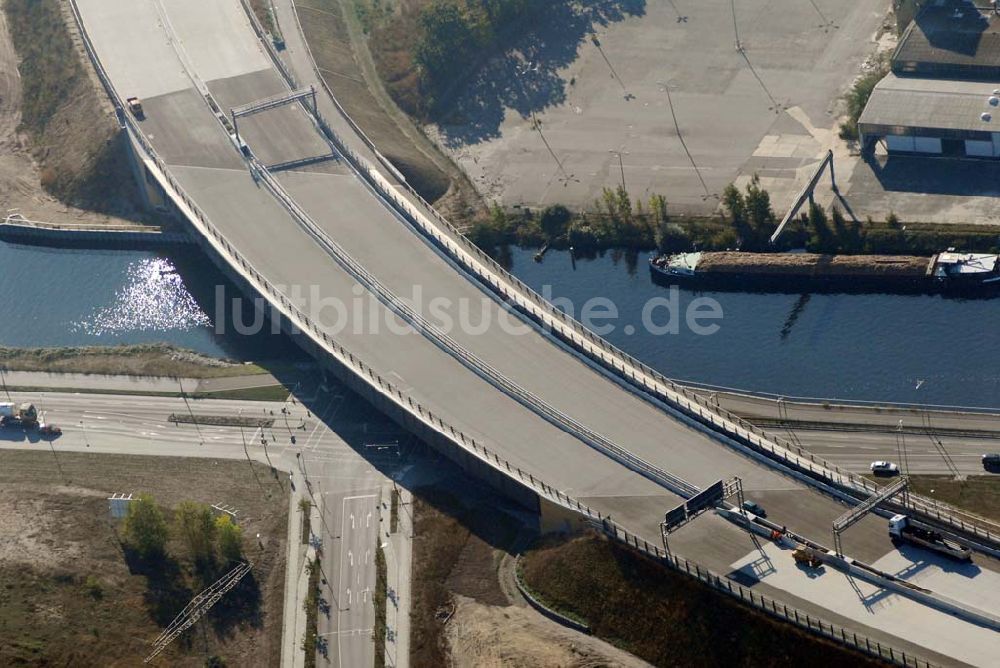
column 135, row 106
column 14, row 415
column 807, row 557
column 901, row 529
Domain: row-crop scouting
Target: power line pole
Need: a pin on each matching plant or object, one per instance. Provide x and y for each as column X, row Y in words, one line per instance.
column 198, row 606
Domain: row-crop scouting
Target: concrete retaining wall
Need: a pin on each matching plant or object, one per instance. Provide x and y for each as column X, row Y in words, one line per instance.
column 541, row 607
column 78, row 237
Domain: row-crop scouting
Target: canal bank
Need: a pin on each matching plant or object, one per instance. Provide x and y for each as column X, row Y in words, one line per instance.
column 923, row 349
column 75, row 298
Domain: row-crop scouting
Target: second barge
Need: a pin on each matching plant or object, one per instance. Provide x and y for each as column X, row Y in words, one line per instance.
column 797, row 272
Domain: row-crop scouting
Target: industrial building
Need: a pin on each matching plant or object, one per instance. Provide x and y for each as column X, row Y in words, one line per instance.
column 942, row 96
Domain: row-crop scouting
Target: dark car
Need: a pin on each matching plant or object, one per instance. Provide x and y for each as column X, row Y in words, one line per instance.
column 991, row 461
column 46, row 429
column 755, row 508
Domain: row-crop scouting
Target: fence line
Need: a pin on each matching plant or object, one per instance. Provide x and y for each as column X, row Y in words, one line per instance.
column 766, row 604
column 424, row 416
column 585, row 341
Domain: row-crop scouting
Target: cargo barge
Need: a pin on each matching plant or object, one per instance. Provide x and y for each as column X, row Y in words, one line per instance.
column 797, row 272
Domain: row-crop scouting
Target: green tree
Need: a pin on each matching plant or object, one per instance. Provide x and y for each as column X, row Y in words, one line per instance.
column 448, row 40
column 658, row 209
column 230, row 538
column 145, row 527
column 822, row 239
column 672, row 238
column 760, row 215
column 195, row 524
column 736, row 209
column 554, row 221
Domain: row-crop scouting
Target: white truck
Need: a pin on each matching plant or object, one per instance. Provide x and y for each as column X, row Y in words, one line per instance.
column 23, row 415
column 901, row 529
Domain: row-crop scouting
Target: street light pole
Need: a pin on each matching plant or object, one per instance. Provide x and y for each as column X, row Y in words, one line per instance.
column 3, row 380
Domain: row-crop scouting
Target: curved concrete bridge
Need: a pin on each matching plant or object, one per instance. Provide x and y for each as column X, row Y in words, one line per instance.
column 302, row 210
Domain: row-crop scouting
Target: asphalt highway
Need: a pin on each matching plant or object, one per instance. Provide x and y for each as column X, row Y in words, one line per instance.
column 929, row 439
column 187, row 36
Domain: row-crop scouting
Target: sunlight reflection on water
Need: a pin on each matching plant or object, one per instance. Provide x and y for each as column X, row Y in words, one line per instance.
column 153, row 299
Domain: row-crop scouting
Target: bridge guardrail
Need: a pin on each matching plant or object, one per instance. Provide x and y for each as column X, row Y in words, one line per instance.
column 468, row 358
column 649, row 379
column 481, row 452
column 211, row 233
column 493, row 275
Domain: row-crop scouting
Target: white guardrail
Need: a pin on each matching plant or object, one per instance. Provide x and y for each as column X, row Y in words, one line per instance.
column 515, row 292
column 498, row 279
column 198, row 219
column 406, row 402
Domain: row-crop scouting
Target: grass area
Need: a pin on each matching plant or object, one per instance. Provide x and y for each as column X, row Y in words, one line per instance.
column 437, row 543
column 459, row 536
column 275, row 393
column 977, row 494
column 305, row 508
column 663, row 617
column 129, row 360
column 72, row 593
column 328, row 32
column 379, row 602
column 857, row 97
column 73, row 136
column 269, row 393
column 262, row 10
column 312, row 613
column 394, row 511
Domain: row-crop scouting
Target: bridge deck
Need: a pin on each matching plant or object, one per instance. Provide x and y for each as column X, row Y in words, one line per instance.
column 206, row 163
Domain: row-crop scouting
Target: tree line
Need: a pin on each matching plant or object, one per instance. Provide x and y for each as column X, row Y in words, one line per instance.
column 147, row 531
column 746, row 222
column 454, row 33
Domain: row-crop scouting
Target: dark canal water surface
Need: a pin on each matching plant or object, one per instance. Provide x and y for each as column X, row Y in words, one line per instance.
column 926, row 349
column 54, row 297
column 879, row 347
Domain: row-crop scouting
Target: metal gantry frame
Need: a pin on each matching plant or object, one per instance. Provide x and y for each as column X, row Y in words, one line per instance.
column 690, row 508
column 272, row 102
column 855, row 514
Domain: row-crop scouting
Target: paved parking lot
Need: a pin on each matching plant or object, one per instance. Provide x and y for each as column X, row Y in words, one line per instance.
column 661, row 71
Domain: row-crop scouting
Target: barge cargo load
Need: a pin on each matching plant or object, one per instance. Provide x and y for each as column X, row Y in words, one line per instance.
column 795, row 272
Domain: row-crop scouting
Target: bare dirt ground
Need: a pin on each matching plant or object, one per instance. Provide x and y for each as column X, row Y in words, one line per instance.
column 69, row 593
column 466, row 612
column 488, row 636
column 21, row 176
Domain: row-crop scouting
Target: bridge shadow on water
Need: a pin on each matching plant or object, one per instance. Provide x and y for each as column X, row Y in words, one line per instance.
column 526, row 78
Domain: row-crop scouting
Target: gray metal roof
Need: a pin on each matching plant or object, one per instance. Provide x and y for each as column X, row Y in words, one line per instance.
column 931, row 103
column 951, row 38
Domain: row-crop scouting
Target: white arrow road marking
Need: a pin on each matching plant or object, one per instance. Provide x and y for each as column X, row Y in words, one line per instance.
column 350, row 556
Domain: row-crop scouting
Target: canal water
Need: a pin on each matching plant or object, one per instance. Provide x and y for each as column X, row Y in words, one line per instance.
column 926, row 349
column 56, row 297
column 877, row 347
